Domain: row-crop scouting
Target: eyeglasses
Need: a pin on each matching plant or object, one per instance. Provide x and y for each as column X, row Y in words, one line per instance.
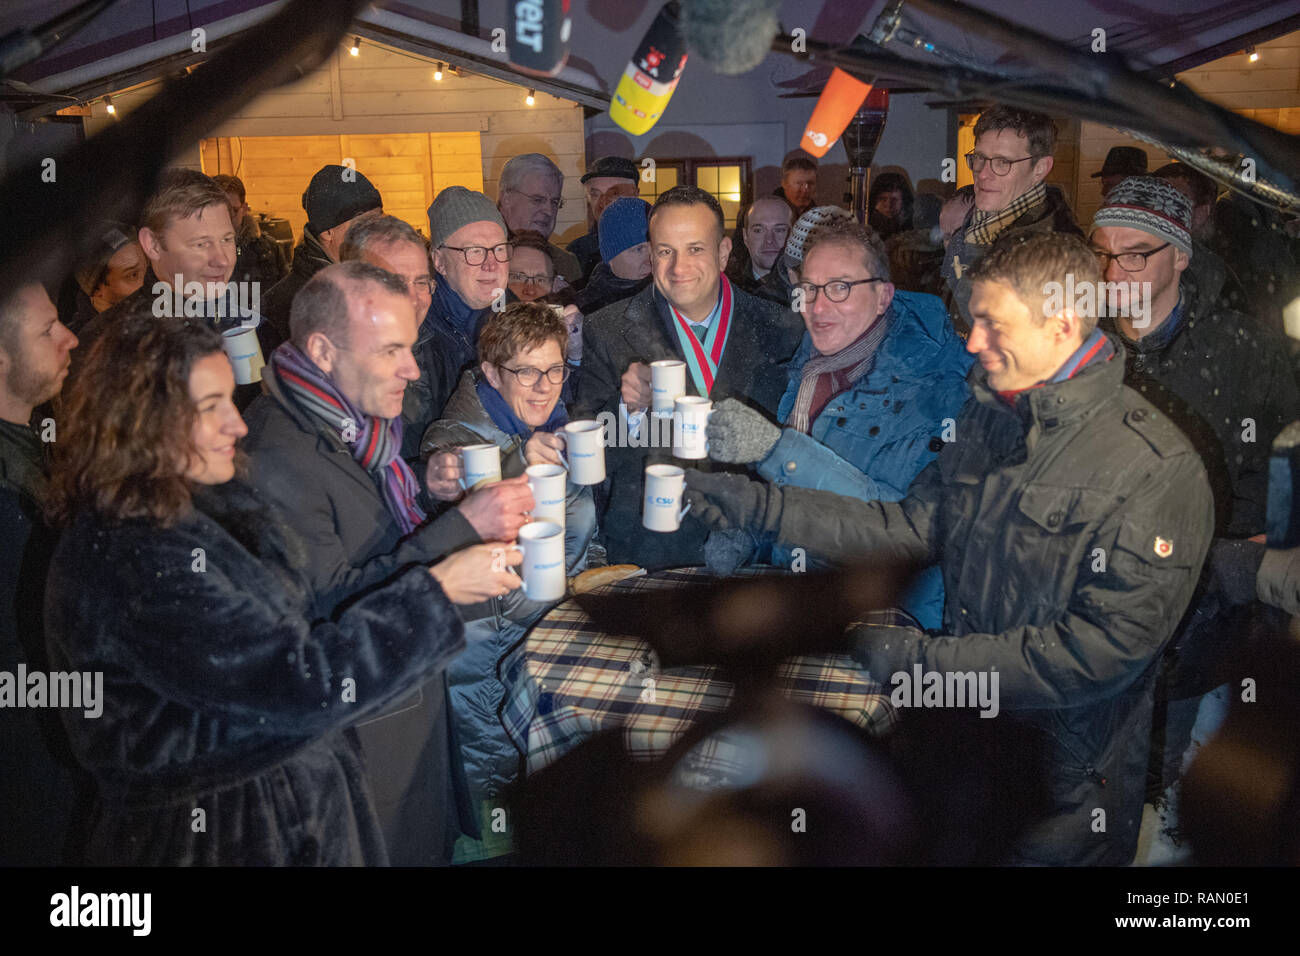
column 1001, row 165
column 1128, row 261
column 540, row 200
column 527, row 279
column 477, row 255
column 837, row 291
column 529, row 376
column 422, row 284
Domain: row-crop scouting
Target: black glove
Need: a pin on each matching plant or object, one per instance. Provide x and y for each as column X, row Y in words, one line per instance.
column 731, row 501
column 724, row 551
column 1234, row 566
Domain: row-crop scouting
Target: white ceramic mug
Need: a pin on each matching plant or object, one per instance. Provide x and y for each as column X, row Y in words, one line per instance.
column 667, row 384
column 584, row 444
column 542, row 543
column 690, row 417
column 662, row 508
column 245, row 354
column 482, row 465
column 548, row 484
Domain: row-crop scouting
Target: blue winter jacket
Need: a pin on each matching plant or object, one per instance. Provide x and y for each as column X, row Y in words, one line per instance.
column 870, row 442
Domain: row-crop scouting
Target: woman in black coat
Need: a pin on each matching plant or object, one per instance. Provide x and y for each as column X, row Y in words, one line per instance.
column 226, row 692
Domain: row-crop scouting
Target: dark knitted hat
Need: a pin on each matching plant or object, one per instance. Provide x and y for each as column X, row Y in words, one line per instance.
column 1151, row 205
column 624, row 223
column 337, row 194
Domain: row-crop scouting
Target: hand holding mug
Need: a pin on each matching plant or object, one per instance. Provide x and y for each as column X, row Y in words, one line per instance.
column 444, row 476
column 635, row 389
column 499, row 510
column 545, row 448
column 477, row 573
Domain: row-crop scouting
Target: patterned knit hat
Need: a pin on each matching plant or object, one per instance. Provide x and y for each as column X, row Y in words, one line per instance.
column 1151, row 205
column 817, row 216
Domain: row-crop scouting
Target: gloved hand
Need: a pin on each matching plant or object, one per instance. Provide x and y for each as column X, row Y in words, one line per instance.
column 726, row 550
column 731, row 501
column 738, row 434
column 1234, row 566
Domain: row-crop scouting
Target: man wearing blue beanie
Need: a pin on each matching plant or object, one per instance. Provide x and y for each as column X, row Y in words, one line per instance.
column 625, row 268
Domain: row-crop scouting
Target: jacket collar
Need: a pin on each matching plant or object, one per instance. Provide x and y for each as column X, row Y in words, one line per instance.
column 309, row 256
column 1057, row 403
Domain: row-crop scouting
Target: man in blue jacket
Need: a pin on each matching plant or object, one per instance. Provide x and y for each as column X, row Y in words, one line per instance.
column 873, row 392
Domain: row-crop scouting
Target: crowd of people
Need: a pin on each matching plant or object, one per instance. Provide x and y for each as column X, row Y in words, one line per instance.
column 297, row 599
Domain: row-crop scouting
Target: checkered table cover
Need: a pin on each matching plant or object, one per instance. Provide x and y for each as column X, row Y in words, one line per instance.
column 567, row 680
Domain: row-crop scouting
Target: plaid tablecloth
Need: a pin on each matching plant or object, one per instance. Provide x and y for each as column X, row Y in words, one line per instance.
column 567, row 680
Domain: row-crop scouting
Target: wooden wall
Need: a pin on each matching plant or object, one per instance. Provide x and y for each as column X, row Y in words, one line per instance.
column 408, row 169
column 384, row 108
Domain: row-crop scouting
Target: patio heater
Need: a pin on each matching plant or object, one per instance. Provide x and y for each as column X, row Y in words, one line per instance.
column 861, row 137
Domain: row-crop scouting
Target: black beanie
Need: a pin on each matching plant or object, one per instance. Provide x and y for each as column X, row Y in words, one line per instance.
column 337, row 194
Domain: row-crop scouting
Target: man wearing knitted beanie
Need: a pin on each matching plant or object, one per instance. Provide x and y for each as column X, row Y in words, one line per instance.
column 1225, row 382
column 334, row 199
column 471, row 264
column 625, row 267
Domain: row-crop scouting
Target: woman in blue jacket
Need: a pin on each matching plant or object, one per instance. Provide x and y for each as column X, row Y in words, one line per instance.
column 873, row 394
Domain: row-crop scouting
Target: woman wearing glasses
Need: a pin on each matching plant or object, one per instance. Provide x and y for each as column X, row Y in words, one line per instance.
column 514, row 403
column 873, row 391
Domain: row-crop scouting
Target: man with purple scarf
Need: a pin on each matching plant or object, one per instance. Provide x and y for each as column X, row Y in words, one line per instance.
column 324, row 443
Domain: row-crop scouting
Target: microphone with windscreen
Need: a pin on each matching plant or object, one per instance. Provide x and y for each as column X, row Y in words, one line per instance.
column 537, row 35
column 732, row 36
column 651, row 76
column 836, row 107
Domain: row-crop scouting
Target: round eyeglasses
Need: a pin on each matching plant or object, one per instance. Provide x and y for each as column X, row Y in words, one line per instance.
column 837, row 291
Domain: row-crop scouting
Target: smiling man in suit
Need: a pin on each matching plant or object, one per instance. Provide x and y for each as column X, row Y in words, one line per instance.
column 733, row 345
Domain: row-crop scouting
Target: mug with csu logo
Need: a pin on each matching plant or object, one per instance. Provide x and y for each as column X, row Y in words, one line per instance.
column 665, row 488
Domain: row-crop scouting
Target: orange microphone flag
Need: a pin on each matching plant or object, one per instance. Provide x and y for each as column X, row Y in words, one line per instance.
column 842, row 98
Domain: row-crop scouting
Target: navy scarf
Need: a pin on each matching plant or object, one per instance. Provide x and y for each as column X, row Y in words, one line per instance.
column 505, row 419
column 453, row 308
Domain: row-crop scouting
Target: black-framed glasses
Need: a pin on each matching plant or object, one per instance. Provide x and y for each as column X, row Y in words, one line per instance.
column 1128, row 261
column 529, row 376
column 836, row 291
column 538, row 199
column 477, row 255
column 1001, row 165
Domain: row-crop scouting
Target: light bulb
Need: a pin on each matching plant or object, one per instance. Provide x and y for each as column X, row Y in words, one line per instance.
column 437, row 72
column 108, row 105
column 1252, row 55
column 531, row 98
column 355, row 50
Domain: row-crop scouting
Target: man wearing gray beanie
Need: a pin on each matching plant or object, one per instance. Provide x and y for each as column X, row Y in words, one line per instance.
column 471, row 263
column 1224, row 380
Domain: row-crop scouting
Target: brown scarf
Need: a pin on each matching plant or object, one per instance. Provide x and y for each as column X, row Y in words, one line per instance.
column 825, row 376
column 985, row 226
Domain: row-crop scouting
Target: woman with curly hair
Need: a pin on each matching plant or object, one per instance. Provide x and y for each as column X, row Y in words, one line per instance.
column 227, row 692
